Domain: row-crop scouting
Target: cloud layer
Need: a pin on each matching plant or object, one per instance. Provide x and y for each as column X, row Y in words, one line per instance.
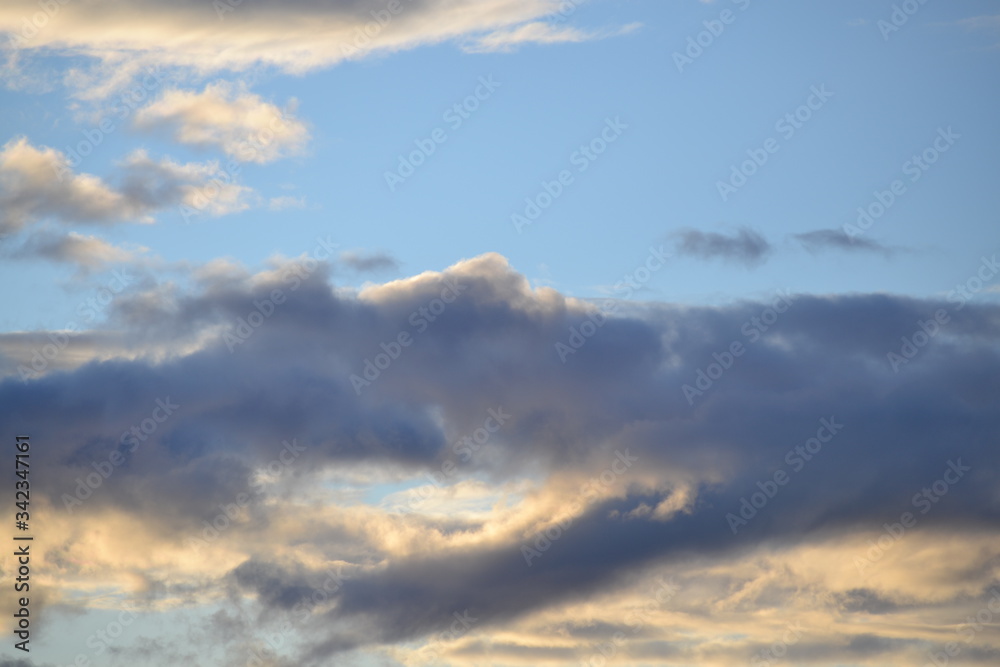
column 541, row 498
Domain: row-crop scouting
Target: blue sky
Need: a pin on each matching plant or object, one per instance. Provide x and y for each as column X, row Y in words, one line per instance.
column 623, row 122
column 685, row 131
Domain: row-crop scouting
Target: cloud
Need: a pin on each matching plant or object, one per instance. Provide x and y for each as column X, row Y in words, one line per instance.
column 39, row 183
column 745, row 245
column 539, row 32
column 985, row 22
column 276, row 417
column 293, row 36
column 836, row 239
column 87, row 252
column 365, row 262
column 227, row 117
column 285, row 202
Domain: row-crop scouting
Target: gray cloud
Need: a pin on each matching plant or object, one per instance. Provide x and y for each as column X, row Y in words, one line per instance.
column 745, row 245
column 365, row 262
column 88, row 253
column 40, row 183
column 494, row 345
column 836, row 239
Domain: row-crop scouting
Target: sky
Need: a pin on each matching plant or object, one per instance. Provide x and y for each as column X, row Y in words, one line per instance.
column 500, row 332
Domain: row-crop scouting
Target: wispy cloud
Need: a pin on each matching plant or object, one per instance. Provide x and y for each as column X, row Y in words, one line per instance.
column 539, row 32
column 821, row 240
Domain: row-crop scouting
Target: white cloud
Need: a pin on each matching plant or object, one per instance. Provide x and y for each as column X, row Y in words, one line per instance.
column 38, row 182
column 539, row 32
column 294, row 36
column 286, row 202
column 227, row 117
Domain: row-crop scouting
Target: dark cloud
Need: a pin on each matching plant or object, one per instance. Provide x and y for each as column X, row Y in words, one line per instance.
column 495, row 345
column 88, row 253
column 369, row 262
column 744, row 246
column 820, row 240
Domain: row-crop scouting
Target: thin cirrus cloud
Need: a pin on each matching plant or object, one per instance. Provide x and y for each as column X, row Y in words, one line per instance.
column 285, row 202
column 229, row 118
column 821, row 240
column 404, row 577
column 539, row 32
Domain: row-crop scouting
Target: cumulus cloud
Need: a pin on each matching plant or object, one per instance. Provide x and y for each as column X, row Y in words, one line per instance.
column 227, row 117
column 745, row 245
column 38, row 183
column 202, row 186
column 604, row 456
